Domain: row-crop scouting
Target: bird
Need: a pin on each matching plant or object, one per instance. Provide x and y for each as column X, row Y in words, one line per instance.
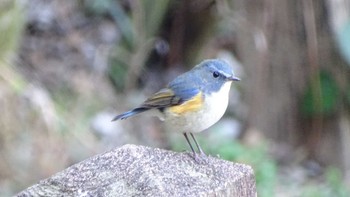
column 192, row 102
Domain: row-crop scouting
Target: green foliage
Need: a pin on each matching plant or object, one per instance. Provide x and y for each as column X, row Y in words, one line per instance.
column 93, row 7
column 333, row 186
column 118, row 74
column 138, row 28
column 335, row 182
column 264, row 167
column 321, row 96
column 11, row 27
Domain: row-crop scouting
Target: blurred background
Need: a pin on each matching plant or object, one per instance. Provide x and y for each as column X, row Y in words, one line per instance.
column 67, row 67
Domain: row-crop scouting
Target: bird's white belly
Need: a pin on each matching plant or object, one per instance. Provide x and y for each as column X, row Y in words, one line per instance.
column 214, row 107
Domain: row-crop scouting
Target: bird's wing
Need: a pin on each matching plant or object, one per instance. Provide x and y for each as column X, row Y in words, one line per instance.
column 167, row 97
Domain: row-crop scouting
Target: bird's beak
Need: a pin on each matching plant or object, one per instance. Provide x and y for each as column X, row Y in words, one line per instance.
column 233, row 78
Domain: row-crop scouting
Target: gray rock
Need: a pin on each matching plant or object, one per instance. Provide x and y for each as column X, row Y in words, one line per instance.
column 142, row 171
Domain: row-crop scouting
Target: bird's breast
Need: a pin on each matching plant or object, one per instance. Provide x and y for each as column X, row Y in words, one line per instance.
column 199, row 113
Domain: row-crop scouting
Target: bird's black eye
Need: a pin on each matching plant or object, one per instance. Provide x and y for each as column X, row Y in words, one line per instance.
column 216, row 74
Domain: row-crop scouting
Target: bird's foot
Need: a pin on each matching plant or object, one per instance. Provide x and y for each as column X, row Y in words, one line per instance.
column 200, row 158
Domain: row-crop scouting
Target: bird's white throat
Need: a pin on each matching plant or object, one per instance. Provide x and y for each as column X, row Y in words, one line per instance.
column 216, row 104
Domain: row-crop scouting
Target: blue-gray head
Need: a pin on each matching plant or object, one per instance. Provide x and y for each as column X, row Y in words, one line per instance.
column 212, row 74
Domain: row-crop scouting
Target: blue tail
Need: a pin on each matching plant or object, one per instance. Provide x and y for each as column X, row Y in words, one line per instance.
column 130, row 113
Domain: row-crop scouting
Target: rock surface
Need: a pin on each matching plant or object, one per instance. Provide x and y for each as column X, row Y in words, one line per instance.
column 133, row 170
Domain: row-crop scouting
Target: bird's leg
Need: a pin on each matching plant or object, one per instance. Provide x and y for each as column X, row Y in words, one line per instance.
column 195, row 155
column 199, row 148
column 188, row 141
